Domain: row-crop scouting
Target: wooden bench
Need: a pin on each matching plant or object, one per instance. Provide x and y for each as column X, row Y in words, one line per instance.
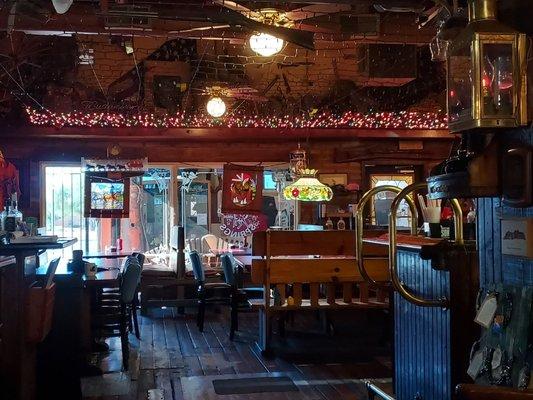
column 318, row 269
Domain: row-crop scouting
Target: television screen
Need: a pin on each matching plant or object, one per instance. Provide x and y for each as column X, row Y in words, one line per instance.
column 269, row 183
column 107, row 196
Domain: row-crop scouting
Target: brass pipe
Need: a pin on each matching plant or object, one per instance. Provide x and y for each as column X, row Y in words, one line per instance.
column 359, row 225
column 393, row 253
column 482, row 9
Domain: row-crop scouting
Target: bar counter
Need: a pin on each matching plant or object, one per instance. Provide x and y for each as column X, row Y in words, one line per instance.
column 439, row 337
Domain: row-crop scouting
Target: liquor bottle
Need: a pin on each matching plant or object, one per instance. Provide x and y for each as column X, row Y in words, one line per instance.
column 341, row 225
column 3, row 216
column 329, row 224
column 16, row 213
column 10, row 221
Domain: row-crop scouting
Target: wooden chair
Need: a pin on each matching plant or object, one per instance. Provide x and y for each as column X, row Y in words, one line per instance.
column 218, row 292
column 209, row 249
column 113, row 316
column 323, row 261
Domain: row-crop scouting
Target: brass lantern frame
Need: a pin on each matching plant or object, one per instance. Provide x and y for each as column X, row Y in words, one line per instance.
column 475, row 36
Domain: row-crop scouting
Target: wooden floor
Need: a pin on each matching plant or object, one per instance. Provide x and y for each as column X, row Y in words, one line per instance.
column 173, row 360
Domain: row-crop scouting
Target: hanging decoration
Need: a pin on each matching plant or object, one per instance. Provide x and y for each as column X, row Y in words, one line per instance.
column 308, row 188
column 242, row 225
column 297, row 161
column 242, row 189
column 383, row 120
column 187, row 178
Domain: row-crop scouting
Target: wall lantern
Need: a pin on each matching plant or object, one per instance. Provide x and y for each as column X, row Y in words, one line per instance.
column 487, row 85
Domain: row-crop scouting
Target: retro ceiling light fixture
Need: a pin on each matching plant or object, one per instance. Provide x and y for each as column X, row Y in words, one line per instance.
column 216, row 107
column 308, row 188
column 266, row 45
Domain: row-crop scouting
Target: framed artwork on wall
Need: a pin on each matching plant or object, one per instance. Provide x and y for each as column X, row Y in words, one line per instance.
column 333, row 179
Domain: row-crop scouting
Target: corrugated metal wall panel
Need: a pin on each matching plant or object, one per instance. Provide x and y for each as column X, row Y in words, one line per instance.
column 422, row 339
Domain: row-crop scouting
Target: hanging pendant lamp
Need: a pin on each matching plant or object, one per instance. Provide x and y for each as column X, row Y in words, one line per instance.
column 308, row 188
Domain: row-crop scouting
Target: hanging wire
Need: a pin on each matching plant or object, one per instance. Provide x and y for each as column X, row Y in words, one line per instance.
column 21, row 88
column 136, row 69
column 90, row 64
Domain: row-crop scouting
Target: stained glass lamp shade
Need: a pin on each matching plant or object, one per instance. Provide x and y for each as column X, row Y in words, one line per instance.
column 308, row 188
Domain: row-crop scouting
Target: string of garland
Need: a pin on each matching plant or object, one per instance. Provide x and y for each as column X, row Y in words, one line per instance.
column 381, row 120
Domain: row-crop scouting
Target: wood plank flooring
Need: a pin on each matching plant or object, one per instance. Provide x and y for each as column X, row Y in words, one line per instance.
column 181, row 362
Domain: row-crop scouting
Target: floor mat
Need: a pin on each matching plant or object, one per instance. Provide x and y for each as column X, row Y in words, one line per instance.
column 254, row 385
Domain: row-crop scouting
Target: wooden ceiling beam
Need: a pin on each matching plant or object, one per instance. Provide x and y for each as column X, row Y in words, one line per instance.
column 221, row 134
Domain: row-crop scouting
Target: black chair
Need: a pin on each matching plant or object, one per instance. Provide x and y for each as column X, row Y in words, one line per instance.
column 218, row 292
column 114, row 314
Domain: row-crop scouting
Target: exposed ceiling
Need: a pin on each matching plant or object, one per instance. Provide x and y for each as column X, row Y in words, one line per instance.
column 334, row 45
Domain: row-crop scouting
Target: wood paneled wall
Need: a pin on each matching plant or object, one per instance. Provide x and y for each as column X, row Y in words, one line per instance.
column 494, row 266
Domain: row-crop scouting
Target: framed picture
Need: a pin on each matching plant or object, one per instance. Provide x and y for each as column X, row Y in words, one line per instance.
column 517, row 237
column 333, row 179
column 107, row 195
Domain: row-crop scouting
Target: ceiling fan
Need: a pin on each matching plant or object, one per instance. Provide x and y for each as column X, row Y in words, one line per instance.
column 285, row 25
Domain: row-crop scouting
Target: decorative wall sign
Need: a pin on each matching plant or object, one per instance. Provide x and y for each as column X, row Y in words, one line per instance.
column 242, row 225
column 517, row 237
column 333, row 179
column 107, row 195
column 242, row 189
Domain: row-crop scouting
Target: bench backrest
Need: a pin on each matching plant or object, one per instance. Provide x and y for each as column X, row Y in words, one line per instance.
column 322, row 259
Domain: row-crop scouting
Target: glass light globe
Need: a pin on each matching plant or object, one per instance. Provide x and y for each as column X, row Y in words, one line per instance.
column 216, row 107
column 266, row 45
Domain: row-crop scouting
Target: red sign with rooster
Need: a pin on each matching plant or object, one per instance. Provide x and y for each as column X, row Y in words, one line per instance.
column 242, row 190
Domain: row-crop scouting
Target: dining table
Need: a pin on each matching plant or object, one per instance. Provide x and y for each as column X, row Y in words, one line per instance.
column 109, row 254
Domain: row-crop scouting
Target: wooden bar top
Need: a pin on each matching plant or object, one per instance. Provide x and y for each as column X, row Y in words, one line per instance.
column 404, row 242
column 14, row 247
column 419, row 244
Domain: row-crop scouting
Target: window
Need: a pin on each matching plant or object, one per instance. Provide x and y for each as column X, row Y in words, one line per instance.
column 382, row 201
column 146, row 228
column 196, row 209
column 399, row 176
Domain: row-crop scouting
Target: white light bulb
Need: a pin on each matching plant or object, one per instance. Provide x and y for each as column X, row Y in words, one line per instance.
column 216, row 107
column 266, row 45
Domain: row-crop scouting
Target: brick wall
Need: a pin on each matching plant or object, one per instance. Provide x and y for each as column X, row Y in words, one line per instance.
column 294, row 75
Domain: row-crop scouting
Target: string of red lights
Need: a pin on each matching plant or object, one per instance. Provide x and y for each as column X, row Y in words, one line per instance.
column 380, row 120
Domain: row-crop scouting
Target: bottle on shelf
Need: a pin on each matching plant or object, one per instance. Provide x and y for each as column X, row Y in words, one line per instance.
column 10, row 221
column 16, row 212
column 329, row 224
column 3, row 216
column 341, row 225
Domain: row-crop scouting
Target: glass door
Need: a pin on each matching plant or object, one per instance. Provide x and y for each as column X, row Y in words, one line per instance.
column 195, row 209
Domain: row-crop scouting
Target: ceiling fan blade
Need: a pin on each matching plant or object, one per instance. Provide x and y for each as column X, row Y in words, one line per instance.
column 300, row 38
column 313, row 28
column 243, row 89
column 203, row 28
column 316, row 10
column 252, row 97
column 231, row 5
